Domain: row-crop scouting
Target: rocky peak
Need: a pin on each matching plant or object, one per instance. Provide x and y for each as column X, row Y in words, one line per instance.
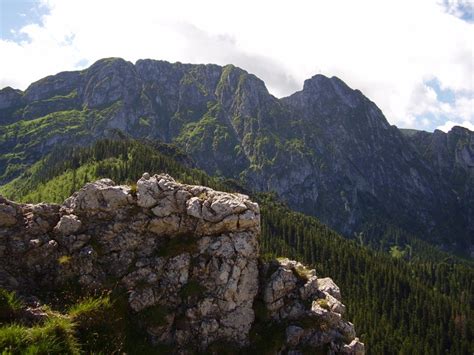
column 61, row 84
column 187, row 257
column 320, row 88
column 110, row 80
column 11, row 100
column 445, row 150
column 10, row 97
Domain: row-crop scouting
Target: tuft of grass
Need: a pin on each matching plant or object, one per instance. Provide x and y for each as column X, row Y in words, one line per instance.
column 55, row 336
column 203, row 196
column 64, row 260
column 323, row 303
column 302, row 273
column 133, row 189
column 12, row 337
column 192, row 289
column 99, row 325
column 89, row 307
column 9, row 305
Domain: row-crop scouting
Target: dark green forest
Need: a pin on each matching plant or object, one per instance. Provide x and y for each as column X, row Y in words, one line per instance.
column 404, row 298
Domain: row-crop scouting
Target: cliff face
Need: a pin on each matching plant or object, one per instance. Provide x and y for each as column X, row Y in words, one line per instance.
column 452, row 156
column 326, row 150
column 187, row 255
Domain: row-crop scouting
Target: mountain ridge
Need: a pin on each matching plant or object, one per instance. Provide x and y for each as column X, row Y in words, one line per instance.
column 327, row 150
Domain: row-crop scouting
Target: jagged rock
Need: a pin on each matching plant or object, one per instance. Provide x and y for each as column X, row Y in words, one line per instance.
column 7, row 215
column 310, row 288
column 354, row 348
column 68, row 224
column 293, row 335
column 328, row 285
column 101, row 195
column 193, row 207
column 187, row 249
column 286, row 293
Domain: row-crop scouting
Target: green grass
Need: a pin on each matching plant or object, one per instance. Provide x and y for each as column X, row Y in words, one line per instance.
column 302, row 273
column 92, row 325
column 323, row 303
column 55, row 336
column 89, row 307
column 100, row 326
column 9, row 305
column 64, row 260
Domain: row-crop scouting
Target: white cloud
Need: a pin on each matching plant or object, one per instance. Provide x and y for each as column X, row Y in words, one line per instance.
column 450, row 124
column 387, row 49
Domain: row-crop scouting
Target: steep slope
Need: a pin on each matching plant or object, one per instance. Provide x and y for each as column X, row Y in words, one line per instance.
column 452, row 156
column 326, row 150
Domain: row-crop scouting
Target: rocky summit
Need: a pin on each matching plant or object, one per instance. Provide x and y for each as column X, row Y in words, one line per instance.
column 186, row 256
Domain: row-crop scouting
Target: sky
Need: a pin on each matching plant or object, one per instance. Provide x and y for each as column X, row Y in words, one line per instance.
column 413, row 58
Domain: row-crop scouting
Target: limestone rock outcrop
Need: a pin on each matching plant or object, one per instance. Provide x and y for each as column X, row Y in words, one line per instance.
column 186, row 255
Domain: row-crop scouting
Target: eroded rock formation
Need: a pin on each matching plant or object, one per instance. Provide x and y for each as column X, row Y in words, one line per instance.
column 187, row 253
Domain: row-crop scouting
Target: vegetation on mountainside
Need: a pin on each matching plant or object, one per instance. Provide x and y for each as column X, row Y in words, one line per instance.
column 22, row 139
column 409, row 304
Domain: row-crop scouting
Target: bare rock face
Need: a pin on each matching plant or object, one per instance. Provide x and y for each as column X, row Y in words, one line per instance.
column 309, row 307
column 186, row 255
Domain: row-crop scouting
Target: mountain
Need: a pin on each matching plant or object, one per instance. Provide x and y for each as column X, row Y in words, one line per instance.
column 326, row 150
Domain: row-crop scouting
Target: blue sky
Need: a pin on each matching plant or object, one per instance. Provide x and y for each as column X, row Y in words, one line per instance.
column 414, row 59
column 15, row 14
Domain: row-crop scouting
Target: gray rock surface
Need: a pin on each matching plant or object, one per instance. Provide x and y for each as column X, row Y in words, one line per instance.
column 293, row 295
column 189, row 250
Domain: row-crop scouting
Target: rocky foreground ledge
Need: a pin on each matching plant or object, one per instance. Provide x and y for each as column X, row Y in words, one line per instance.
column 188, row 252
